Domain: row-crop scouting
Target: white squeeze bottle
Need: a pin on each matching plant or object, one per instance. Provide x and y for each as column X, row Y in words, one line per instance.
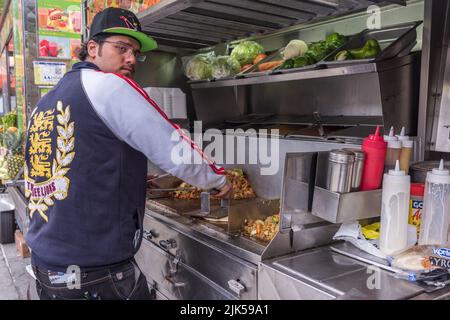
column 436, row 207
column 395, row 211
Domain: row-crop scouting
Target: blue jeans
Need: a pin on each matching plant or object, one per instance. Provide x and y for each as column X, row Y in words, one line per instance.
column 124, row 281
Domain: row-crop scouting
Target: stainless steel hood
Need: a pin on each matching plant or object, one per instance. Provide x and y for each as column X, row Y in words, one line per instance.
column 197, row 24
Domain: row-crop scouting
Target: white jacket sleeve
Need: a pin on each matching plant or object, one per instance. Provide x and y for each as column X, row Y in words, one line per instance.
column 126, row 110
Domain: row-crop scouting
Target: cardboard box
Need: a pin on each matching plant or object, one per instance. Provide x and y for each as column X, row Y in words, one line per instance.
column 21, row 245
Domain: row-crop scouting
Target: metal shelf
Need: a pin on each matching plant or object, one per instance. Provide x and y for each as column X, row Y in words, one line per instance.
column 202, row 23
column 301, row 75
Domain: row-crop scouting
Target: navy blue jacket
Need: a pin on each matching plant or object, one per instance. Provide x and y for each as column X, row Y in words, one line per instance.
column 86, row 163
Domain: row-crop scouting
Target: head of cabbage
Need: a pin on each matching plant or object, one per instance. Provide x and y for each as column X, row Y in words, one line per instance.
column 246, row 51
column 225, row 66
column 198, row 68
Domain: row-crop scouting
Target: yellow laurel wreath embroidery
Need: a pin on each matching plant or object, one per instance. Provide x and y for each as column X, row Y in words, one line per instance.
column 64, row 156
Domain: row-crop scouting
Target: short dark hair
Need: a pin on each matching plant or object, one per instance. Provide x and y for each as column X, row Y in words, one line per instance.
column 99, row 38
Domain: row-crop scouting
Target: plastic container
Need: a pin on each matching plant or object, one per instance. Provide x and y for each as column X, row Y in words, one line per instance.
column 406, row 154
column 394, row 211
column 171, row 100
column 416, row 205
column 375, row 149
column 394, row 149
column 436, row 207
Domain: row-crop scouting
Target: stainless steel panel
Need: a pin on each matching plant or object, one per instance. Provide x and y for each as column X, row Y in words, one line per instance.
column 176, row 282
column 346, row 207
column 313, row 235
column 241, row 14
column 190, row 33
column 276, row 285
column 425, row 73
column 443, row 113
column 196, row 27
column 388, row 90
column 269, row 186
column 164, row 9
column 318, row 265
column 318, row 8
column 276, row 78
column 242, row 27
column 268, row 8
column 153, row 30
column 258, row 16
column 211, row 262
column 434, row 73
column 355, row 286
column 323, row 274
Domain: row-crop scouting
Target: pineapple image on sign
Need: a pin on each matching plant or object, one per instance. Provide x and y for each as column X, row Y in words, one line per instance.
column 56, row 185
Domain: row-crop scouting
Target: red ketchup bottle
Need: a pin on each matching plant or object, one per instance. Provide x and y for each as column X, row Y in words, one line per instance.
column 375, row 149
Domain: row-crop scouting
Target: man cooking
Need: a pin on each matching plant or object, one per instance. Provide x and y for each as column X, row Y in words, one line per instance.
column 86, row 165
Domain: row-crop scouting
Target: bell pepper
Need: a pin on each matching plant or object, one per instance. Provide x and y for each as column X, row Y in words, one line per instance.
column 343, row 55
column 370, row 50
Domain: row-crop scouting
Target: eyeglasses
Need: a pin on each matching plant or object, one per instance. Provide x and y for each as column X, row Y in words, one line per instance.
column 127, row 50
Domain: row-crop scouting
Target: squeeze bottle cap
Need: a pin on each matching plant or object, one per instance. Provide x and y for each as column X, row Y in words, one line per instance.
column 402, row 136
column 391, row 136
column 397, row 171
column 375, row 141
column 439, row 175
column 441, row 170
column 376, row 136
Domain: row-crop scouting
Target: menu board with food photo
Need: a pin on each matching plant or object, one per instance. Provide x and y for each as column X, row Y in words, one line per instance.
column 54, row 47
column 75, row 47
column 95, row 6
column 59, row 28
column 60, row 16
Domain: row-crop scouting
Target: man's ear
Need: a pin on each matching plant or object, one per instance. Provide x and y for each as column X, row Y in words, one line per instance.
column 92, row 48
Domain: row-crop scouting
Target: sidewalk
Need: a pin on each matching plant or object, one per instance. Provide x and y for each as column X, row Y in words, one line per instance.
column 15, row 282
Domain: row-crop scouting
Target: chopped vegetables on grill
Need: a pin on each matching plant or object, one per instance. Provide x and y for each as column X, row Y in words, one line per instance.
column 263, row 230
column 241, row 187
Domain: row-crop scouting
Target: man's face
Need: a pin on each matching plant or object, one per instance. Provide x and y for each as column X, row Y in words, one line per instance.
column 114, row 55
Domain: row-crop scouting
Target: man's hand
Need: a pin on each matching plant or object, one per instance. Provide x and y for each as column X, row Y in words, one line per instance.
column 225, row 192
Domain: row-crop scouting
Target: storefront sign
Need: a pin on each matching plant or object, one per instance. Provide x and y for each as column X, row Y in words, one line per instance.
column 48, row 73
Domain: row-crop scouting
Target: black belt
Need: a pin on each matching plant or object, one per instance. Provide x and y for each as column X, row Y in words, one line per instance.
column 118, row 271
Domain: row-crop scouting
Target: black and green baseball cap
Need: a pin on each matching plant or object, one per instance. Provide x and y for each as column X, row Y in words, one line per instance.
column 123, row 22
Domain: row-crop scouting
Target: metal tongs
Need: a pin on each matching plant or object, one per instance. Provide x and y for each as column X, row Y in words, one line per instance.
column 205, row 203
